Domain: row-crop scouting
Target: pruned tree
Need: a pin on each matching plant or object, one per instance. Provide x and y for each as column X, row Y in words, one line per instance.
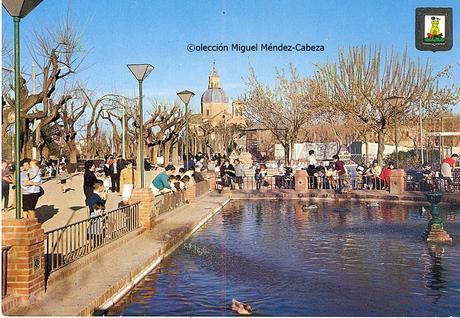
column 284, row 110
column 58, row 54
column 163, row 129
column 359, row 86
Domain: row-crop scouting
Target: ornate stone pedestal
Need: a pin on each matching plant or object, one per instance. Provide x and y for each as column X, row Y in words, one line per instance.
column 435, row 231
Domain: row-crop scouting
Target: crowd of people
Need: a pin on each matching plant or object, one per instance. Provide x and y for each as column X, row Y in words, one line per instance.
column 119, row 176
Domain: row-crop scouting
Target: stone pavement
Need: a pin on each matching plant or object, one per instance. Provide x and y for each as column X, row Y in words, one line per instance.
column 56, row 209
column 96, row 283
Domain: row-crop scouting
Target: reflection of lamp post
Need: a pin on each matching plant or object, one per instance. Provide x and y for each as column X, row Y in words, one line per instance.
column 18, row 9
column 393, row 100
column 140, row 72
column 185, row 97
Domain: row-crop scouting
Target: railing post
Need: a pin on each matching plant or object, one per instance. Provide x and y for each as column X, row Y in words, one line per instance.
column 26, row 270
column 147, row 212
column 301, row 181
column 190, row 192
column 397, row 184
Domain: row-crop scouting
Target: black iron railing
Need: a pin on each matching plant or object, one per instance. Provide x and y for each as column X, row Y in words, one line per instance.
column 167, row 201
column 66, row 244
column 335, row 183
column 5, row 250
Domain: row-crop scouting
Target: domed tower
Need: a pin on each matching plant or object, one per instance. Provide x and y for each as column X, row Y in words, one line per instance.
column 214, row 101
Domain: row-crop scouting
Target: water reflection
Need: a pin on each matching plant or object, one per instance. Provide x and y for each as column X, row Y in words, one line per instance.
column 434, row 275
column 338, row 260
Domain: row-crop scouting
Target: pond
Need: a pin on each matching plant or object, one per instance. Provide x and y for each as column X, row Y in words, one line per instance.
column 337, row 260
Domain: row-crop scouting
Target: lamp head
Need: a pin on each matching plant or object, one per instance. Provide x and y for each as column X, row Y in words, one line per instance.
column 185, row 96
column 20, row 8
column 140, row 71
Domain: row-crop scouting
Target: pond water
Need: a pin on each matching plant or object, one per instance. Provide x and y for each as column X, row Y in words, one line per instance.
column 336, row 260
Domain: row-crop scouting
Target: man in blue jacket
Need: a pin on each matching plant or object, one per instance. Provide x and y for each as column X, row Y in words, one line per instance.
column 160, row 182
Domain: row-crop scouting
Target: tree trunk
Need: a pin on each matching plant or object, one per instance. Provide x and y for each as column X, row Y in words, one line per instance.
column 175, row 154
column 381, row 145
column 73, row 151
column 154, row 154
column 166, row 153
column 286, row 153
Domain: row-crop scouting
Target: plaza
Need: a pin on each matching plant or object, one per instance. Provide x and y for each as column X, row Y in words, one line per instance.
column 212, row 162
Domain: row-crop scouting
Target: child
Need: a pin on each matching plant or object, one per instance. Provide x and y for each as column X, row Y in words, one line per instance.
column 62, row 178
column 172, row 181
column 107, row 183
column 319, row 174
column 331, row 176
column 360, row 170
column 96, row 228
column 98, row 196
column 183, row 184
column 427, row 177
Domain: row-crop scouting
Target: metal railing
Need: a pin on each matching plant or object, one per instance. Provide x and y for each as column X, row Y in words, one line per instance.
column 5, row 250
column 433, row 184
column 168, row 201
column 347, row 182
column 66, row 244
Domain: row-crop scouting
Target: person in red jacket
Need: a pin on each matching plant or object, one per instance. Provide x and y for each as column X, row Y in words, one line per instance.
column 385, row 175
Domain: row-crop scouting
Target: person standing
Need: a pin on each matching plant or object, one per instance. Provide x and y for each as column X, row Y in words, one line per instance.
column 447, row 170
column 229, row 174
column 311, row 169
column 89, row 178
column 30, row 194
column 239, row 173
column 63, row 177
column 115, row 170
column 340, row 168
column 127, row 182
column 6, row 181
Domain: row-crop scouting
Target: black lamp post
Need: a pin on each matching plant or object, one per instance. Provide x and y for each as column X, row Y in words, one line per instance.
column 140, row 72
column 185, row 97
column 18, row 9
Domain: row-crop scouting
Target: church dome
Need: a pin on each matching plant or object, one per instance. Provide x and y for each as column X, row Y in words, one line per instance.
column 214, row 95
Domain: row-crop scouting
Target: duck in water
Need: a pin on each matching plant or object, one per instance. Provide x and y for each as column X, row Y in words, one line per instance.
column 309, row 207
column 241, row 308
column 373, row 205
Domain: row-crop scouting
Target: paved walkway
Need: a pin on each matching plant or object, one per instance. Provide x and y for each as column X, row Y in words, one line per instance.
column 56, row 209
column 87, row 289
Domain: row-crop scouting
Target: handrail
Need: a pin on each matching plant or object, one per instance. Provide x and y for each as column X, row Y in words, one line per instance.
column 66, row 244
column 5, row 250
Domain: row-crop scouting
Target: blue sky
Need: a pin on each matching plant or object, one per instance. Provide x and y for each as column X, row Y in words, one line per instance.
column 118, row 32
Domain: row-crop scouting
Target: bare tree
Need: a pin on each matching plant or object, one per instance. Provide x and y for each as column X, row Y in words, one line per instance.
column 283, row 110
column 58, row 54
column 359, row 84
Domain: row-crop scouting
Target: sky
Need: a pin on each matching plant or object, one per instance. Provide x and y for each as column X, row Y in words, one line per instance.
column 119, row 32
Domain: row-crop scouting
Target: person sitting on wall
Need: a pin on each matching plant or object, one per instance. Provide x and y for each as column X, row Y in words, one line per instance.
column 386, row 174
column 160, row 183
column 372, row 176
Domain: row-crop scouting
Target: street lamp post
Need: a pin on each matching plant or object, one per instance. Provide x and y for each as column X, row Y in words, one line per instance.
column 140, row 72
column 393, row 100
column 185, row 97
column 18, row 9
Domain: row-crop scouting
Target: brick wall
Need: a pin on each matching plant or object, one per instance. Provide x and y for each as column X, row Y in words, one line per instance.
column 26, row 266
